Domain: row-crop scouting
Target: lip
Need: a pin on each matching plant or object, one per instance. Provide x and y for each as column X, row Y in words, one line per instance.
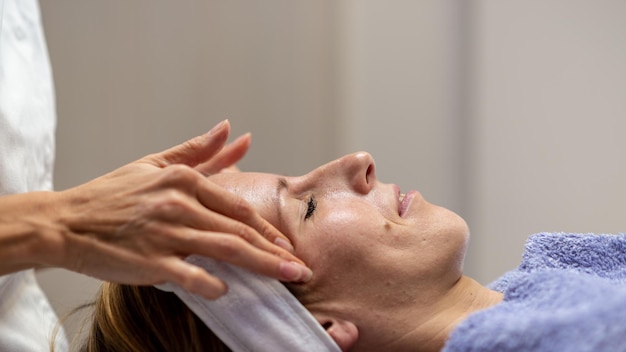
column 406, row 202
column 397, row 193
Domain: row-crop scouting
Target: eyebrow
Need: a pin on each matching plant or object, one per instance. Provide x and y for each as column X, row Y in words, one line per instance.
column 280, row 187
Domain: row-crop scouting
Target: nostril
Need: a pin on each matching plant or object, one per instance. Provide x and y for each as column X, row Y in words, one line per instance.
column 354, row 167
column 368, row 173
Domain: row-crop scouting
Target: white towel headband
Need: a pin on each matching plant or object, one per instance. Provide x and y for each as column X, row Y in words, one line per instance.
column 257, row 313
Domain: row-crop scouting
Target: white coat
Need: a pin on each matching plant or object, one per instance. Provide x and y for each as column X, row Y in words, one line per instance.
column 27, row 127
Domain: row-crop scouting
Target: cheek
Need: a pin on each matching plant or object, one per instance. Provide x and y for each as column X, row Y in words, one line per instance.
column 343, row 225
column 333, row 237
column 445, row 236
column 351, row 262
column 350, row 229
column 347, row 243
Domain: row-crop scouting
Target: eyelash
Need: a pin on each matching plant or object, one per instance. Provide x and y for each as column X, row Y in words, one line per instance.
column 311, row 206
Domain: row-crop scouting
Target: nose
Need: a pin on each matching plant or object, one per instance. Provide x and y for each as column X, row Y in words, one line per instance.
column 359, row 171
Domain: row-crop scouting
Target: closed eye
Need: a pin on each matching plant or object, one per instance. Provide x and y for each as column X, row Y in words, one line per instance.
column 311, row 206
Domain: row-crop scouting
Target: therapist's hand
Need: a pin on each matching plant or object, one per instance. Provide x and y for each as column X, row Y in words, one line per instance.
column 137, row 224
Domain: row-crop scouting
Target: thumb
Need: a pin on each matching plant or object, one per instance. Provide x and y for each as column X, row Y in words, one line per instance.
column 195, row 151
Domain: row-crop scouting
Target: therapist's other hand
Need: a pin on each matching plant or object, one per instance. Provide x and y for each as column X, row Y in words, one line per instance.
column 136, row 224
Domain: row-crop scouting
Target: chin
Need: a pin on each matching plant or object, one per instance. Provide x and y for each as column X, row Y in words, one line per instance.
column 453, row 221
column 457, row 232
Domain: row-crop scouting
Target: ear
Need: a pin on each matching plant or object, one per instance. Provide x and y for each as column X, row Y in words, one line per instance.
column 344, row 332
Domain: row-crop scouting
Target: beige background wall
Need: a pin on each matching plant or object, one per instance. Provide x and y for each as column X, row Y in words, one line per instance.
column 508, row 112
column 548, row 110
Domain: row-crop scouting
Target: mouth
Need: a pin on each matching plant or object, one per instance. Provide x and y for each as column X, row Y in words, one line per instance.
column 401, row 206
column 400, row 197
column 405, row 200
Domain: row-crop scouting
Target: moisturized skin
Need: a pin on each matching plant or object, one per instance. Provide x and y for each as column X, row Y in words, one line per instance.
column 385, row 264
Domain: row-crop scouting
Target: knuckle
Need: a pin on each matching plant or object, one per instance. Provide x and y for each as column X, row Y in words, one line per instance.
column 190, row 237
column 169, row 202
column 191, row 241
column 244, row 232
column 191, row 145
column 217, row 290
column 179, row 174
column 242, row 208
column 191, row 276
column 194, row 277
column 161, row 237
column 267, row 230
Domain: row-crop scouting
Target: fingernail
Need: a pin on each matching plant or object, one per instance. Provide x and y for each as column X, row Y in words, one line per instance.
column 217, row 127
column 293, row 271
column 282, row 243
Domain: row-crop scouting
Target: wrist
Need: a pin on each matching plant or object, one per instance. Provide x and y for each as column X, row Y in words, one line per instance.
column 30, row 231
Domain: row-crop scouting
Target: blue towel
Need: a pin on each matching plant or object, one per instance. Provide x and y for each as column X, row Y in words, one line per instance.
column 568, row 294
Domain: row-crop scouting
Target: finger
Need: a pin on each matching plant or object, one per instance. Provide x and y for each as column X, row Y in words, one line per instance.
column 228, row 156
column 192, row 278
column 237, row 251
column 231, row 205
column 279, row 247
column 195, row 151
column 196, row 219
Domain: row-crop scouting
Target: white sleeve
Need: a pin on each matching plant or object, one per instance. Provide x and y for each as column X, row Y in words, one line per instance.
column 27, row 320
column 27, row 123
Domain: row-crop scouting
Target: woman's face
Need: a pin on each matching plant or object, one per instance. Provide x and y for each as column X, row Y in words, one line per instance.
column 369, row 246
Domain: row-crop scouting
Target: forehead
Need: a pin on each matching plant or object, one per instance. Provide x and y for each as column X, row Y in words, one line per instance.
column 259, row 189
column 249, row 185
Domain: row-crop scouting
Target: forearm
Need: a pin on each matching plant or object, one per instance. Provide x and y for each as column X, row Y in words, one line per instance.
column 136, row 224
column 30, row 231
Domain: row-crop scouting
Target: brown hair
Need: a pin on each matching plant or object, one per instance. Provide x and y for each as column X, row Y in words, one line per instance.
column 142, row 318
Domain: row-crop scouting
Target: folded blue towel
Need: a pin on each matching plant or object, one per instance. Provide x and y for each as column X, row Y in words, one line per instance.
column 568, row 294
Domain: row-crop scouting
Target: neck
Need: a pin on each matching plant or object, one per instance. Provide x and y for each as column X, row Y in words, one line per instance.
column 435, row 323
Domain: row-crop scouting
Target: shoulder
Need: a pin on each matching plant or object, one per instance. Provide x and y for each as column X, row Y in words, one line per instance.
column 548, row 310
